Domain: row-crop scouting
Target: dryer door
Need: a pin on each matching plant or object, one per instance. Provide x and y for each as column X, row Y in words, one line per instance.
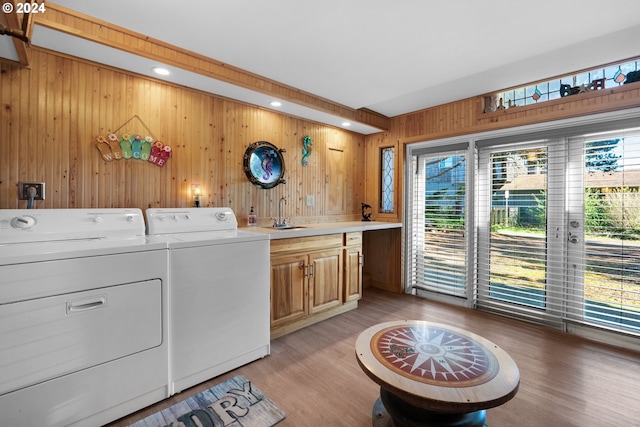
column 51, row 337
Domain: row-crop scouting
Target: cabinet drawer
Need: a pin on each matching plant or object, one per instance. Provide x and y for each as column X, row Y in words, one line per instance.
column 306, row 244
column 353, row 238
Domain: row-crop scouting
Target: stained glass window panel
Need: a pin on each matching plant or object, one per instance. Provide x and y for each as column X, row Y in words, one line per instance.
column 387, row 159
column 613, row 75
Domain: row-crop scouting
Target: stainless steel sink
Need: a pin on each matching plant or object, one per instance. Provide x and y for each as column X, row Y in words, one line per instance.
column 286, row 227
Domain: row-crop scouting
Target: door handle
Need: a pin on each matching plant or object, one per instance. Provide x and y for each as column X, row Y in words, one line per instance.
column 573, row 238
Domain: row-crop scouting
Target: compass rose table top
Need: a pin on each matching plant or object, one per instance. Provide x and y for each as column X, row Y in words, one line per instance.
column 437, row 367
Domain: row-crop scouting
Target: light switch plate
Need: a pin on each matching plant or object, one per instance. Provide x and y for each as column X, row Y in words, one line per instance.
column 311, row 200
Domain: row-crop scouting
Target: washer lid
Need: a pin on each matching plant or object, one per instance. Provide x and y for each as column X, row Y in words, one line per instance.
column 207, row 238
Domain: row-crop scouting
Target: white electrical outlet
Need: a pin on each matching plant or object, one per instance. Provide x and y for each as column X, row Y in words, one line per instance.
column 311, row 200
column 27, row 190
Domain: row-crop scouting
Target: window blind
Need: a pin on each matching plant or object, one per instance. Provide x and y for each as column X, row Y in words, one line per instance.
column 603, row 278
column 559, row 231
column 438, row 223
column 520, row 268
column 555, row 224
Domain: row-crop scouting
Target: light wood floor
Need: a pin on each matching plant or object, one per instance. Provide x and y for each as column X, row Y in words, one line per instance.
column 565, row 381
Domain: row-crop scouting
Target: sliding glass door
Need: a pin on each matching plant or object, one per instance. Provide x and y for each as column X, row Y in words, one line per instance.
column 520, row 242
column 439, row 262
column 603, row 243
column 541, row 226
column 559, row 230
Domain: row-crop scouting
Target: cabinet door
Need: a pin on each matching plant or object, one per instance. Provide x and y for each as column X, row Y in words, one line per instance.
column 288, row 289
column 335, row 181
column 353, row 273
column 325, row 280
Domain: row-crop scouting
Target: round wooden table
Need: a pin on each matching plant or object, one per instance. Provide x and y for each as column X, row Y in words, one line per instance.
column 432, row 374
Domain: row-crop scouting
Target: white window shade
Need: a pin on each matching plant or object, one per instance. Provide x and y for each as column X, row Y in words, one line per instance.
column 520, row 239
column 539, row 224
column 603, row 279
column 559, row 231
column 439, row 224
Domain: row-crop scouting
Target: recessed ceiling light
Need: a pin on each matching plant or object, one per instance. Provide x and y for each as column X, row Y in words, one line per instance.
column 161, row 71
column 346, row 124
column 276, row 103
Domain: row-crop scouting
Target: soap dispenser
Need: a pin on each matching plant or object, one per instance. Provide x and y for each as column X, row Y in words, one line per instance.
column 252, row 218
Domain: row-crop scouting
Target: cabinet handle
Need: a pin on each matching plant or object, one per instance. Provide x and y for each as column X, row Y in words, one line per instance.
column 310, row 270
column 301, row 265
column 361, row 260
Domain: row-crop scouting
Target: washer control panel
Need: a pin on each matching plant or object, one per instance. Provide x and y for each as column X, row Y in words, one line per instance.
column 171, row 221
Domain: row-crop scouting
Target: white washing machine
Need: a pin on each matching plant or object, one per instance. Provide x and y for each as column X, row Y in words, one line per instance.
column 83, row 304
column 218, row 292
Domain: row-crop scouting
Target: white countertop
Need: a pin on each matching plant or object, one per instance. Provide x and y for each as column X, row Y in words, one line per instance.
column 306, row 230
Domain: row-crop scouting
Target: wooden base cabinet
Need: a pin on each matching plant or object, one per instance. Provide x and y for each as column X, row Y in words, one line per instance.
column 325, row 280
column 289, row 292
column 353, row 263
column 307, row 280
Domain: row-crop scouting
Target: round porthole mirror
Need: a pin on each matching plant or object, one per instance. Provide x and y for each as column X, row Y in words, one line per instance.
column 264, row 164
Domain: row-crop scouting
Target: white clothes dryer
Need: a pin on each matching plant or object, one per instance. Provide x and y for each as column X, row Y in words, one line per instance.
column 83, row 314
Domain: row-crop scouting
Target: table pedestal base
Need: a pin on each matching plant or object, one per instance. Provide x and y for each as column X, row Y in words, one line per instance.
column 391, row 411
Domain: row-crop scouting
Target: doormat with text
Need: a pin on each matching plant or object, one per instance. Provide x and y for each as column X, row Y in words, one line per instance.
column 233, row 403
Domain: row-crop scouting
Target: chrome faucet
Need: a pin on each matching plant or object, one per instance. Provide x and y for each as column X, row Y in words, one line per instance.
column 280, row 222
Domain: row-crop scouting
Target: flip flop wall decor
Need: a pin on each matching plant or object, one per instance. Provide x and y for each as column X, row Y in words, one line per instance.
column 145, row 150
column 114, row 145
column 103, row 147
column 159, row 153
column 133, row 146
column 125, row 144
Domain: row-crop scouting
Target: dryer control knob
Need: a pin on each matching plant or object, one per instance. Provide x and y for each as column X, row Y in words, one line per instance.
column 25, row 222
column 129, row 218
column 98, row 219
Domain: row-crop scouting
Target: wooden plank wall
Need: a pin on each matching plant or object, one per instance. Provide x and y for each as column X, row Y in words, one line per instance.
column 52, row 113
column 466, row 117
